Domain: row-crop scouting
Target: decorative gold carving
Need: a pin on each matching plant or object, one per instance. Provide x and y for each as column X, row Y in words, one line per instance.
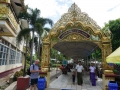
column 6, row 13
column 74, row 37
column 46, row 39
column 75, row 19
column 75, row 14
column 3, row 12
column 53, row 43
column 106, row 50
column 5, row 1
column 45, row 56
column 12, row 19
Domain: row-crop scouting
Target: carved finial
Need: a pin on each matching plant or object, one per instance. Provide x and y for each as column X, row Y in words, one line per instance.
column 74, row 13
column 74, row 6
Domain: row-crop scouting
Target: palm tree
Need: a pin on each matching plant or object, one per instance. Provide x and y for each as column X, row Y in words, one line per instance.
column 25, row 33
column 37, row 25
column 41, row 27
column 32, row 16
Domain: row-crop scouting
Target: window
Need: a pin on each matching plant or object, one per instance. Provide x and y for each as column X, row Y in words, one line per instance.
column 12, row 56
column 3, row 54
column 4, row 42
column 18, row 59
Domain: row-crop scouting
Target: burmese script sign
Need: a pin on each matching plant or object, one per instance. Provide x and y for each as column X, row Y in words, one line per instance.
column 61, row 36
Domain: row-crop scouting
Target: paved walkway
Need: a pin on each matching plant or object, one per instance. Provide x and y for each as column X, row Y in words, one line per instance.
column 65, row 82
column 53, row 74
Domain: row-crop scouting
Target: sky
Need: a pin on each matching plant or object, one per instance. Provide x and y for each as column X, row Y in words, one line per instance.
column 100, row 11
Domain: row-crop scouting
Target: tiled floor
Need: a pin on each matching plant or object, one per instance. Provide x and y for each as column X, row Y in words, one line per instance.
column 65, row 82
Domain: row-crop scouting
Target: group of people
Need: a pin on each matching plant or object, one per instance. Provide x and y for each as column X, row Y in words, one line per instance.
column 79, row 71
column 65, row 68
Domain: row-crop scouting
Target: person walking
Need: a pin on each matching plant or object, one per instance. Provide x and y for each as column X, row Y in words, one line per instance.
column 79, row 71
column 92, row 69
column 73, row 76
column 34, row 69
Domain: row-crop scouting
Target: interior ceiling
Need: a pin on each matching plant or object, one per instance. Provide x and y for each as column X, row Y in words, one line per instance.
column 75, row 50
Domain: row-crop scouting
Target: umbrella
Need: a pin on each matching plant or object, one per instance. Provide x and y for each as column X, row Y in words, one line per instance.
column 114, row 57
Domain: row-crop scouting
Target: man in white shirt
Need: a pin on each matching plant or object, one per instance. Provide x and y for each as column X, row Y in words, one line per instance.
column 79, row 70
column 92, row 69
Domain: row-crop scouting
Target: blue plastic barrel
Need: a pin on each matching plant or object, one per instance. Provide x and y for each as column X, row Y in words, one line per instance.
column 41, row 83
column 113, row 85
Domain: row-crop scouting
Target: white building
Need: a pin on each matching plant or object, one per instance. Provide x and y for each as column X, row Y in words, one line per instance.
column 11, row 54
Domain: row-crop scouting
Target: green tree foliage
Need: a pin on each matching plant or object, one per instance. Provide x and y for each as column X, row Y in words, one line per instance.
column 97, row 54
column 37, row 24
column 25, row 33
column 60, row 57
column 114, row 26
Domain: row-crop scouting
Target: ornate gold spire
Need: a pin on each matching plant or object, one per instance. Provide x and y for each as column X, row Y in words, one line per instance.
column 74, row 13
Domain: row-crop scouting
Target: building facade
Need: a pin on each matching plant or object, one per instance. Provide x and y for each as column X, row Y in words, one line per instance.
column 11, row 53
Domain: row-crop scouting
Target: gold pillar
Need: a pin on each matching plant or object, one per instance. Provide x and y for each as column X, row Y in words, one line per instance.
column 106, row 50
column 46, row 61
column 107, row 70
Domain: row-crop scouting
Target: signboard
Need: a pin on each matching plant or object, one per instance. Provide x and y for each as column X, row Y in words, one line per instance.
column 85, row 34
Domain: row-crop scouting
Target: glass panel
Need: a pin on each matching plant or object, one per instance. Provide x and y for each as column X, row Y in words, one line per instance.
column 5, row 62
column 4, row 49
column 1, row 53
column 4, row 56
column 0, row 61
column 3, row 41
column 1, row 48
column 7, row 50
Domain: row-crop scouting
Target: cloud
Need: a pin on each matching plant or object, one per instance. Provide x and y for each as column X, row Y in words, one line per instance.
column 96, row 9
column 113, row 7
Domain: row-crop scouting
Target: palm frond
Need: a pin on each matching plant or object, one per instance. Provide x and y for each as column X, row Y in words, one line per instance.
column 22, row 34
column 44, row 21
column 38, row 28
column 24, row 15
column 34, row 15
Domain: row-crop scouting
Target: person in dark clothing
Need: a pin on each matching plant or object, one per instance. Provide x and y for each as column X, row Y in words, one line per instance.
column 73, row 77
column 68, row 68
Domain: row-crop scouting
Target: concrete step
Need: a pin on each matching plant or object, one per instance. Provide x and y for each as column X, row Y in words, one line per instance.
column 12, row 86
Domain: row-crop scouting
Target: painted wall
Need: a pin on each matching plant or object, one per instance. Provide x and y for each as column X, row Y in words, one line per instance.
column 4, row 68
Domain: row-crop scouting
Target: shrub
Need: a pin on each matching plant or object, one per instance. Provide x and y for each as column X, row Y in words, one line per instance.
column 18, row 74
column 55, row 65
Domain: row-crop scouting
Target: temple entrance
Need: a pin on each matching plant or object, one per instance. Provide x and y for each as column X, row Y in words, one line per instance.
column 76, row 35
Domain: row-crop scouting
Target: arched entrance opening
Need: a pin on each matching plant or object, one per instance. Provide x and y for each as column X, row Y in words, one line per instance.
column 76, row 35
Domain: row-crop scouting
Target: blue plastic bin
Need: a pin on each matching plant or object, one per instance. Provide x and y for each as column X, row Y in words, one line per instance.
column 41, row 83
column 113, row 85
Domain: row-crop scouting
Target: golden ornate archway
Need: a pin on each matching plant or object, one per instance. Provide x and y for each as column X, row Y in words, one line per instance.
column 76, row 26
